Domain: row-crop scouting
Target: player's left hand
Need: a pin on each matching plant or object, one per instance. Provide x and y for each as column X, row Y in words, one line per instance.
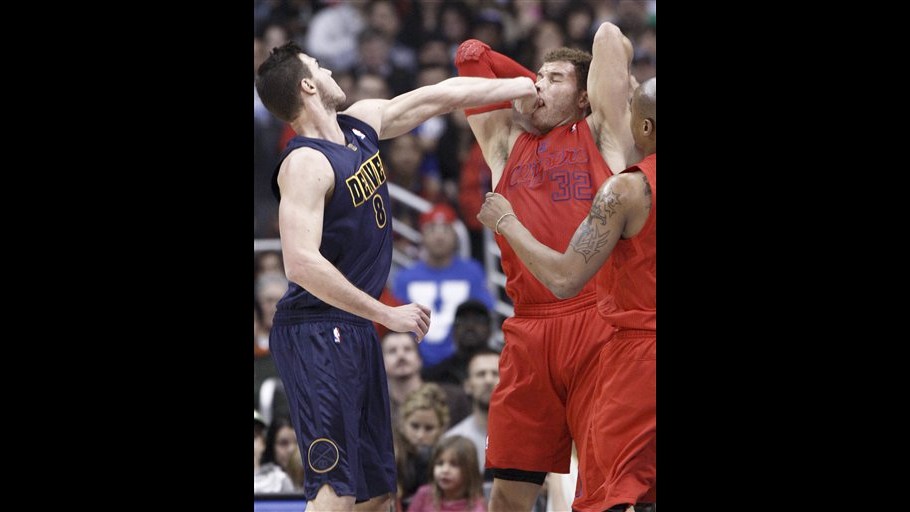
column 494, row 207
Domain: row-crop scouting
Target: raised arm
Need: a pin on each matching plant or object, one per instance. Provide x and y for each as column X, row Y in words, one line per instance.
column 619, row 207
column 306, row 179
column 494, row 125
column 403, row 113
column 609, row 90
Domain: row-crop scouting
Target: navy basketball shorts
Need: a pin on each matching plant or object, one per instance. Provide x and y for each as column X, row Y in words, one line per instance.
column 334, row 376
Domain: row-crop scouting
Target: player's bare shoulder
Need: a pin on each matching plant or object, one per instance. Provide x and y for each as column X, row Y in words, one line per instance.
column 629, row 195
column 306, row 169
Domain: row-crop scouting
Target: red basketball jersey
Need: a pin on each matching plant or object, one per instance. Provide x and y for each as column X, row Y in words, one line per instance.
column 550, row 181
column 627, row 283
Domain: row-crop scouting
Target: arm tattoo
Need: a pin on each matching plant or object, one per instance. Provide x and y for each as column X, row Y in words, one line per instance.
column 647, row 190
column 588, row 240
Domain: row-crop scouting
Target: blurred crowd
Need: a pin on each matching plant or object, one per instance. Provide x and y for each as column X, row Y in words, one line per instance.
column 439, row 390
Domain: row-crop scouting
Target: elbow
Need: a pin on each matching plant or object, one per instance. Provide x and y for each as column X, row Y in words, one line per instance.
column 564, row 287
column 295, row 274
column 297, row 269
column 607, row 31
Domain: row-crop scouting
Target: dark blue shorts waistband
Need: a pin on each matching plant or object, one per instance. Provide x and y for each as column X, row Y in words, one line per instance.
column 302, row 316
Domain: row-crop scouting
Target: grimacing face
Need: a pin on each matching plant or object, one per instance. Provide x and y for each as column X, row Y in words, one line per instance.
column 558, row 88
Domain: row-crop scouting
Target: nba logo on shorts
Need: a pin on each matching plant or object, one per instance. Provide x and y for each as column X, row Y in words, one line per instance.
column 337, row 334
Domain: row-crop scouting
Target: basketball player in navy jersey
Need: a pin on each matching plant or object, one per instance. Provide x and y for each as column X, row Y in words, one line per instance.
column 336, row 239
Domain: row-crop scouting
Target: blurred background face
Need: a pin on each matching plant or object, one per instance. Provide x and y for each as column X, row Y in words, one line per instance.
column 258, row 443
column 405, row 157
column 285, row 445
column 400, row 354
column 371, row 86
column 483, row 376
column 269, row 295
column 471, row 331
column 434, row 52
column 422, row 428
column 382, row 17
column 578, row 25
column 439, row 239
column 374, row 52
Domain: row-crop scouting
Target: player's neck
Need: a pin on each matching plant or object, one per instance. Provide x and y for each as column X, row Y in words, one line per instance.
column 319, row 123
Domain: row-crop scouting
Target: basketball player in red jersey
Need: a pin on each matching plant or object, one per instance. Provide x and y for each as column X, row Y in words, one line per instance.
column 549, row 162
column 622, row 223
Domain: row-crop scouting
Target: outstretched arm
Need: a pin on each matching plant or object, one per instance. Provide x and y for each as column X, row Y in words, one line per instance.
column 495, row 126
column 609, row 90
column 305, row 178
column 403, row 113
column 621, row 199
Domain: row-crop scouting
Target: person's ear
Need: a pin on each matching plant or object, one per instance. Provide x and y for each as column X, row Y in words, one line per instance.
column 307, row 86
column 583, row 102
column 647, row 127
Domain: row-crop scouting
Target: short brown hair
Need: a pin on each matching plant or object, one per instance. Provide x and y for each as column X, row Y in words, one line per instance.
column 580, row 59
column 278, row 79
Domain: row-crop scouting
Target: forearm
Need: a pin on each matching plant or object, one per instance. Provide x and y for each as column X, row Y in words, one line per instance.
column 467, row 91
column 404, row 112
column 551, row 268
column 325, row 282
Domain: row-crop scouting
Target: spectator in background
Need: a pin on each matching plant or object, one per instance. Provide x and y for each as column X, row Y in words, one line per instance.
column 456, row 484
column 269, row 288
column 488, row 27
column 577, row 22
column 403, row 160
column 280, row 443
column 455, row 23
column 369, row 85
column 402, row 366
column 382, row 17
column 332, row 36
column 545, row 36
column 471, row 333
column 475, row 181
column 434, row 52
column 430, row 131
column 267, row 476
column 268, row 261
column 442, row 281
column 373, row 57
column 483, row 376
column 422, row 420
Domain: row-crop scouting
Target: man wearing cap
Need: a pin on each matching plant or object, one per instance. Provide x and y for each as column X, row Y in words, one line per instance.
column 443, row 281
column 471, row 333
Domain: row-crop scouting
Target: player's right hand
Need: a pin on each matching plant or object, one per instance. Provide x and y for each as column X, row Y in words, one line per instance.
column 413, row 318
column 526, row 105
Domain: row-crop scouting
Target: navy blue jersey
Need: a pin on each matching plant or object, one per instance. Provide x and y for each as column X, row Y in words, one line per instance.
column 356, row 225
